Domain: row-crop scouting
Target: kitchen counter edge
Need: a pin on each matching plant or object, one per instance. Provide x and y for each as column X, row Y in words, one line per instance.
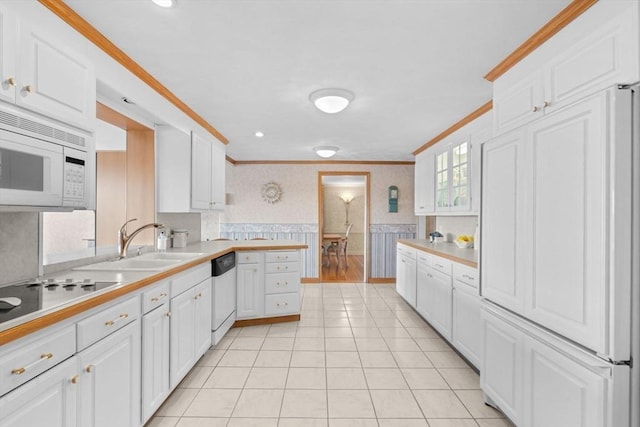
column 450, row 251
column 212, row 249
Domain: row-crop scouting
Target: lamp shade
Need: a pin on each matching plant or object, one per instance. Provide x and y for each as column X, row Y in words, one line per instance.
column 331, row 101
column 325, row 151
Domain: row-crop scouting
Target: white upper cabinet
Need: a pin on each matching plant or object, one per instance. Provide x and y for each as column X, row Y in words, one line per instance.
column 452, row 177
column 54, row 80
column 424, row 183
column 7, row 55
column 591, row 54
column 207, row 174
column 45, row 71
column 447, row 174
column 191, row 172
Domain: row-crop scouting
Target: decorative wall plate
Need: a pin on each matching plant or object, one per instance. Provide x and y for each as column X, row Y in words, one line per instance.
column 271, row 192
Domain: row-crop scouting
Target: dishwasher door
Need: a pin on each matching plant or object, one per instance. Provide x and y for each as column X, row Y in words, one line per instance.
column 224, row 296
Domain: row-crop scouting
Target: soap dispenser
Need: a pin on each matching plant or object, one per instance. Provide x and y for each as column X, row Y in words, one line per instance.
column 162, row 242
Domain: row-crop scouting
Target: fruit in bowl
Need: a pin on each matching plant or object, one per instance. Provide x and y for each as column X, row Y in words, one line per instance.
column 464, row 241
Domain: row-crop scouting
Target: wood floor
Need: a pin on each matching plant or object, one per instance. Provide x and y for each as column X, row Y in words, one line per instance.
column 354, row 273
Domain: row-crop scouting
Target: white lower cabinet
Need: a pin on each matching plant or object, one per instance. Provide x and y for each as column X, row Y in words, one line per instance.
column 190, row 329
column 250, row 282
column 406, row 273
column 268, row 283
column 155, row 356
column 467, row 323
column 47, row 400
column 439, row 301
column 109, row 380
column 540, row 380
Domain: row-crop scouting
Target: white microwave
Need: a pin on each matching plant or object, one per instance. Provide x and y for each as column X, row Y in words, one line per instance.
column 41, row 165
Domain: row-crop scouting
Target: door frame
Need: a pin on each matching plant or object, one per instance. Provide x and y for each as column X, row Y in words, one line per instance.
column 367, row 210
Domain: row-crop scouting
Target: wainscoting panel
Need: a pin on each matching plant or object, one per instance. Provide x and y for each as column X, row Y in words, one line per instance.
column 383, row 239
column 303, row 233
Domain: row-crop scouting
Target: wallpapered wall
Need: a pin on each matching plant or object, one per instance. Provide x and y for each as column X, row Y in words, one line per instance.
column 295, row 216
column 299, row 201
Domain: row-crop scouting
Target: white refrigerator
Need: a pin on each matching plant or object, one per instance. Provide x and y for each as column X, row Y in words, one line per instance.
column 560, row 236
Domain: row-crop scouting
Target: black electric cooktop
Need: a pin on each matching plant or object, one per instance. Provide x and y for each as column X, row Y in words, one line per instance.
column 43, row 294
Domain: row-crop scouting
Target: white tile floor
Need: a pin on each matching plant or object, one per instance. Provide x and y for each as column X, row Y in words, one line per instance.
column 359, row 357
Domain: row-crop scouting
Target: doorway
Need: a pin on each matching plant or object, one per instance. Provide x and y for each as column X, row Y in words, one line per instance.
column 343, row 226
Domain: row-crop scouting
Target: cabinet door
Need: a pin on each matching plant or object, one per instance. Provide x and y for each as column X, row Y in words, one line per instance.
column 110, row 380
column 218, row 163
column 502, row 220
column 203, row 313
column 54, row 80
column 8, row 79
column 442, row 180
column 422, row 291
column 173, row 170
column 182, row 336
column 250, row 290
column 424, row 185
column 410, row 281
column 560, row 391
column 47, row 400
column 439, row 286
column 567, row 229
column 467, row 323
column 401, row 273
column 200, row 173
column 501, row 372
column 459, row 166
column 155, row 360
column 518, row 103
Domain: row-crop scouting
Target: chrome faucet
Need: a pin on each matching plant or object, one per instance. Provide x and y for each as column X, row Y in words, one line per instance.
column 124, row 239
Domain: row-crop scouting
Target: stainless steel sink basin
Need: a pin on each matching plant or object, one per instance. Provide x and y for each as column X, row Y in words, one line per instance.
column 148, row 262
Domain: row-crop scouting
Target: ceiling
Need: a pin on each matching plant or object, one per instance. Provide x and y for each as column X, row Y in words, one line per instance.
column 416, row 66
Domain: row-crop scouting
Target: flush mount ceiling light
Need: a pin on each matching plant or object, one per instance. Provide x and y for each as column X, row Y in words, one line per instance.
column 325, row 151
column 259, row 134
column 165, row 3
column 331, row 101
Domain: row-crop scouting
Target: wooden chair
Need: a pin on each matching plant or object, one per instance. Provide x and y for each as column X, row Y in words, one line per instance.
column 344, row 243
column 337, row 247
column 220, row 238
column 258, row 238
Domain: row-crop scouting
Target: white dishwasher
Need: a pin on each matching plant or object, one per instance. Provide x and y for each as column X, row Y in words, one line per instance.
column 223, row 270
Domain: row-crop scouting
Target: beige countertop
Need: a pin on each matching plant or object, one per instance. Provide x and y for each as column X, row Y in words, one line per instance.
column 447, row 250
column 126, row 282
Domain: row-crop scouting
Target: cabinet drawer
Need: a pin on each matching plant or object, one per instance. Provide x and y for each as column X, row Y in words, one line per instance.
column 424, row 258
column 280, row 304
column 442, row 265
column 188, row 279
column 281, row 267
column 155, row 297
column 98, row 326
column 406, row 250
column 249, row 257
column 282, row 256
column 284, row 282
column 19, row 365
column 466, row 274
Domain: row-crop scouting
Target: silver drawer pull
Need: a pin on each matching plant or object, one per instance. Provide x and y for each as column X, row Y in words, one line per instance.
column 439, row 265
column 282, row 284
column 281, row 304
column 198, row 296
column 43, row 357
column 286, row 267
column 429, row 275
column 467, row 277
column 279, row 257
column 113, row 322
column 159, row 297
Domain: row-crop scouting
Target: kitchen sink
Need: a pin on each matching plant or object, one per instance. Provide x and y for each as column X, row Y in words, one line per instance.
column 180, row 256
column 148, row 262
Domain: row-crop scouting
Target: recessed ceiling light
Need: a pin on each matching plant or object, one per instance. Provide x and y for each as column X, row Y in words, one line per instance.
column 331, row 101
column 165, row 3
column 259, row 134
column 127, row 100
column 326, row 151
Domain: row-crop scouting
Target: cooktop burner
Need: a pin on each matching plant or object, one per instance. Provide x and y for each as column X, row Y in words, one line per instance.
column 43, row 294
